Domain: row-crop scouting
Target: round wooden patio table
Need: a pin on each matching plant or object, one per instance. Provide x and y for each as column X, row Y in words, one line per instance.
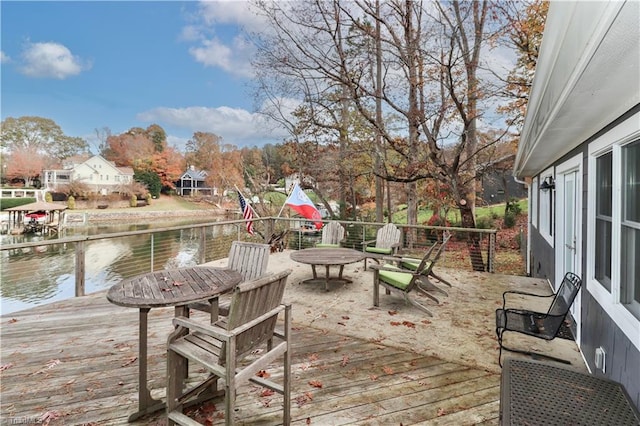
column 169, row 287
column 327, row 257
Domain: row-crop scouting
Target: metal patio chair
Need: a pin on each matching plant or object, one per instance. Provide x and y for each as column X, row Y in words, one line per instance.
column 542, row 325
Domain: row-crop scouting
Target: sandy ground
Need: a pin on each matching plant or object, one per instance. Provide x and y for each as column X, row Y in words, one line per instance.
column 461, row 330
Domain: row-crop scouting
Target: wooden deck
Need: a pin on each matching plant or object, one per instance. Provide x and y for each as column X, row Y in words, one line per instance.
column 75, row 362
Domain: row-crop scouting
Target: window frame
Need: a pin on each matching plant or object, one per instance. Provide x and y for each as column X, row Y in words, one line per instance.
column 612, row 141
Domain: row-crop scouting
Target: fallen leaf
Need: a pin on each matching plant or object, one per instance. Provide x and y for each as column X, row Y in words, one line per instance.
column 266, row 392
column 392, row 312
column 130, row 361
column 12, row 320
column 177, row 283
column 6, row 366
column 344, row 317
column 408, row 324
column 387, row 370
column 373, row 377
column 49, row 416
column 341, row 323
column 308, row 420
column 313, row 357
column 316, row 383
column 345, row 360
column 441, row 412
column 395, row 323
column 263, row 373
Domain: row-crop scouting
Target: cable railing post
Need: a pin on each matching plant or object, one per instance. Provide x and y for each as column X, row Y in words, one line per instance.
column 491, row 252
column 80, row 268
column 151, row 255
column 203, row 245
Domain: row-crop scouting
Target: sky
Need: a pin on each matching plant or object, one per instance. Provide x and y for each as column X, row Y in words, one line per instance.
column 122, row 64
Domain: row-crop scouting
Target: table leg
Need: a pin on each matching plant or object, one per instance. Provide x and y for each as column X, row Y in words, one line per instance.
column 326, row 281
column 146, row 404
column 313, row 269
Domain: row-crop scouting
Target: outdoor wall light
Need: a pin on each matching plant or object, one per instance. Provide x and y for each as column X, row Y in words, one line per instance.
column 548, row 184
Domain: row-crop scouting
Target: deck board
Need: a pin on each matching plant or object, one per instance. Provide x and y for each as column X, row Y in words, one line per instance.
column 78, row 360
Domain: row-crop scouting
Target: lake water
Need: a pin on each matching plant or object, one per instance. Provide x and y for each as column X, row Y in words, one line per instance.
column 46, row 274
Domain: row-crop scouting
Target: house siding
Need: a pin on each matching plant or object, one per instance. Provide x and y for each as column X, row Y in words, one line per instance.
column 598, row 329
column 543, row 263
column 622, row 358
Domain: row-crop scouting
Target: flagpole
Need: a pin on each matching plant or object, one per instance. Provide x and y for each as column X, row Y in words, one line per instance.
column 285, row 201
column 249, row 204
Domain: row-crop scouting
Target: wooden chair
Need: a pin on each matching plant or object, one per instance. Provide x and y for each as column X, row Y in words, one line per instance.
column 404, row 282
column 332, row 235
column 220, row 348
column 434, row 253
column 386, row 243
column 543, row 325
column 251, row 260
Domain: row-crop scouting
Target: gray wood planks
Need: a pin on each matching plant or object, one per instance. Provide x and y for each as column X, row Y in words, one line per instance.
column 77, row 358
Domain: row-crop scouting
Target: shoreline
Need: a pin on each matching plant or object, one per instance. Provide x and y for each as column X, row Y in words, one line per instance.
column 117, row 216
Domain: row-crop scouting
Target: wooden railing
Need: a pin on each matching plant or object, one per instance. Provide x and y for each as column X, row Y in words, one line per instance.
column 101, row 260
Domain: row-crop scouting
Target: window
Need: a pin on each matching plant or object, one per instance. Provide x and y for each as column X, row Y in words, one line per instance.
column 613, row 247
column 604, row 201
column 630, row 229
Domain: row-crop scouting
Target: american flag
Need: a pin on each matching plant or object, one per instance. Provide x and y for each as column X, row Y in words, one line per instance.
column 247, row 213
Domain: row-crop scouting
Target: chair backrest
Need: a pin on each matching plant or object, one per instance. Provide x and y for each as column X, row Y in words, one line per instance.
column 332, row 233
column 250, row 259
column 387, row 236
column 250, row 300
column 433, row 254
column 565, row 295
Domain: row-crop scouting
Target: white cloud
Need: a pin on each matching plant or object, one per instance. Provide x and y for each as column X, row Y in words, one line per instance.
column 206, row 27
column 4, row 58
column 229, row 12
column 235, row 126
column 51, row 60
column 234, row 59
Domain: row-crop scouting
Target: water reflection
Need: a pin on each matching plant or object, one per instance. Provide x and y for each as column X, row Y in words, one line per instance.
column 44, row 274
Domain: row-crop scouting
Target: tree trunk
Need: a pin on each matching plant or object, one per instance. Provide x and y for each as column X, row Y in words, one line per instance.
column 473, row 239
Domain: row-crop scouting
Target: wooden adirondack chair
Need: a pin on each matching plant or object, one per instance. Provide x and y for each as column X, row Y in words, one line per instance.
column 386, row 243
column 332, row 235
column 434, row 253
column 220, row 348
column 251, row 260
column 404, row 282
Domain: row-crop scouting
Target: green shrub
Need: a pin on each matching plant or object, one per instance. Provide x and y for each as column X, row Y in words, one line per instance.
column 511, row 212
column 71, row 202
column 485, row 222
column 510, row 219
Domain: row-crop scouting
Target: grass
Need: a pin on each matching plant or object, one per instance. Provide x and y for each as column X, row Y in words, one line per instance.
column 484, row 214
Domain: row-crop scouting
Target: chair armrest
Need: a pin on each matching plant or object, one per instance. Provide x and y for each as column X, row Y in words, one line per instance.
column 521, row 293
column 208, row 329
column 387, row 267
column 366, row 243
